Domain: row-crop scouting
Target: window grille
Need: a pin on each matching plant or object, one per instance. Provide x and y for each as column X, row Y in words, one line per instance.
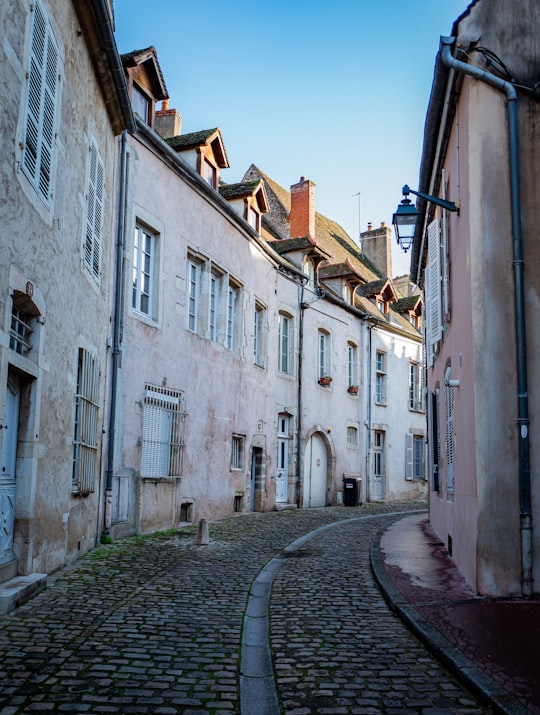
column 163, row 432
column 352, row 436
column 20, row 331
column 85, row 441
column 237, row 452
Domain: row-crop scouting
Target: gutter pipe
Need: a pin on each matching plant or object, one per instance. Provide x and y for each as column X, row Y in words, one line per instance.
column 119, row 282
column 299, row 425
column 521, row 356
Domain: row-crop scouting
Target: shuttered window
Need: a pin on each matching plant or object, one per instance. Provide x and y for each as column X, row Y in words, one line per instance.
column 450, row 439
column 163, row 422
column 41, row 105
column 433, row 285
column 85, row 440
column 94, row 211
column 414, row 457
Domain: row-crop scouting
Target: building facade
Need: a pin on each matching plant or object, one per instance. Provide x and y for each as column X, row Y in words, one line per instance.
column 62, row 110
column 477, row 266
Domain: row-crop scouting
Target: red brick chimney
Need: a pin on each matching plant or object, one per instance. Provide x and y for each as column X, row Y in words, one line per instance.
column 302, row 221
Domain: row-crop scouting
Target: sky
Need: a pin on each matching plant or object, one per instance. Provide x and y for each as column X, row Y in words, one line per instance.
column 336, row 92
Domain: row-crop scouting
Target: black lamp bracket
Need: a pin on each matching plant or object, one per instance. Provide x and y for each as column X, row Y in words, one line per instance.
column 448, row 205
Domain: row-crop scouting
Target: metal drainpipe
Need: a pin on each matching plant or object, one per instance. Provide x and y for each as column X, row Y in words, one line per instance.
column 116, row 325
column 521, row 355
column 299, row 397
column 367, row 491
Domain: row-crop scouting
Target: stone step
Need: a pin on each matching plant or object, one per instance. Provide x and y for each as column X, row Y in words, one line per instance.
column 19, row 589
column 8, row 570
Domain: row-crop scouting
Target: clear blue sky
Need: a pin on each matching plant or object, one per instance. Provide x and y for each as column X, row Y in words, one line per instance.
column 333, row 91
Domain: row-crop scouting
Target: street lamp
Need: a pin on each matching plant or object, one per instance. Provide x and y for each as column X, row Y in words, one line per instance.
column 406, row 216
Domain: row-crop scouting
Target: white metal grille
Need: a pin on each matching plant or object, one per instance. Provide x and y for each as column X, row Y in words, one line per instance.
column 20, row 332
column 237, row 453
column 85, row 442
column 163, row 432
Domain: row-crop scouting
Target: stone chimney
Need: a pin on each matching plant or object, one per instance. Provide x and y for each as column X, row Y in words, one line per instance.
column 302, row 219
column 377, row 248
column 167, row 122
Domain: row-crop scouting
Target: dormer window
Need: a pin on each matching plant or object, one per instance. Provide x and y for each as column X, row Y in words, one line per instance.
column 209, row 173
column 253, row 218
column 140, row 103
column 309, row 270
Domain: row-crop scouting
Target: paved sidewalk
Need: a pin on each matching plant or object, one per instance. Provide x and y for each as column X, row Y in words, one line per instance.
column 155, row 625
column 492, row 644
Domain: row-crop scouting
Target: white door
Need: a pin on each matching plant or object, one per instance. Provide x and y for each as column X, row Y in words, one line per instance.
column 282, row 468
column 378, row 466
column 315, row 472
column 8, row 459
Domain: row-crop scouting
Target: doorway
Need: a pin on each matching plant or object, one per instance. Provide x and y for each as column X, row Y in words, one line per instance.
column 315, row 472
column 256, row 492
column 8, row 462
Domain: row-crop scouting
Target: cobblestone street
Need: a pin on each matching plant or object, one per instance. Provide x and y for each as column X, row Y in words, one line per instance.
column 154, row 625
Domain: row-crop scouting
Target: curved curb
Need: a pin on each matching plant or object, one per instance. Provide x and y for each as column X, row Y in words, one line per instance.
column 258, row 694
column 464, row 669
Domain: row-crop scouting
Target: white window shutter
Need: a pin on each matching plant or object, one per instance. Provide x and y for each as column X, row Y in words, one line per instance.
column 408, row 456
column 94, row 212
column 433, row 287
column 41, row 106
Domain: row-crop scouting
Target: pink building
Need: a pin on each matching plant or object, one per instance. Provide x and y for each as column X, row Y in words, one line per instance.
column 478, row 270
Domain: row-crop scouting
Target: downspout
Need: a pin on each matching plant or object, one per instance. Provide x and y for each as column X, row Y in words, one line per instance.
column 116, row 327
column 299, row 397
column 367, row 491
column 521, row 356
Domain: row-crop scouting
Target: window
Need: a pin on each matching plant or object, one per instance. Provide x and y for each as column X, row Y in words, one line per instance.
column 380, row 378
column 144, row 266
column 432, row 284
column 194, row 293
column 140, row 103
column 352, row 436
column 85, row 439
column 434, row 433
column 253, row 218
column 352, row 359
column 41, row 105
column 414, row 457
column 215, row 294
column 231, row 310
column 324, row 354
column 258, row 335
column 378, row 454
column 209, row 173
column 20, row 332
column 94, row 211
column 450, row 438
column 162, row 442
column 237, row 452
column 285, row 344
column 309, row 271
column 415, row 386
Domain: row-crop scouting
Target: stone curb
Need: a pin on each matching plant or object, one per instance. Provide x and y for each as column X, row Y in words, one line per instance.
column 464, row 669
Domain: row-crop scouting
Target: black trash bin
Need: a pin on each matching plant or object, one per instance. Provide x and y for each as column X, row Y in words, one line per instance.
column 352, row 491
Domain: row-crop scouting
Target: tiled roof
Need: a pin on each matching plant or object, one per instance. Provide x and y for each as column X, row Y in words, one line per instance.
column 372, row 288
column 238, row 191
column 405, row 304
column 191, row 140
column 333, row 270
column 329, row 235
column 293, row 244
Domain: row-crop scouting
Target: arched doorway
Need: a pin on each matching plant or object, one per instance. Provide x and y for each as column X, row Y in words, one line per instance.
column 315, row 471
